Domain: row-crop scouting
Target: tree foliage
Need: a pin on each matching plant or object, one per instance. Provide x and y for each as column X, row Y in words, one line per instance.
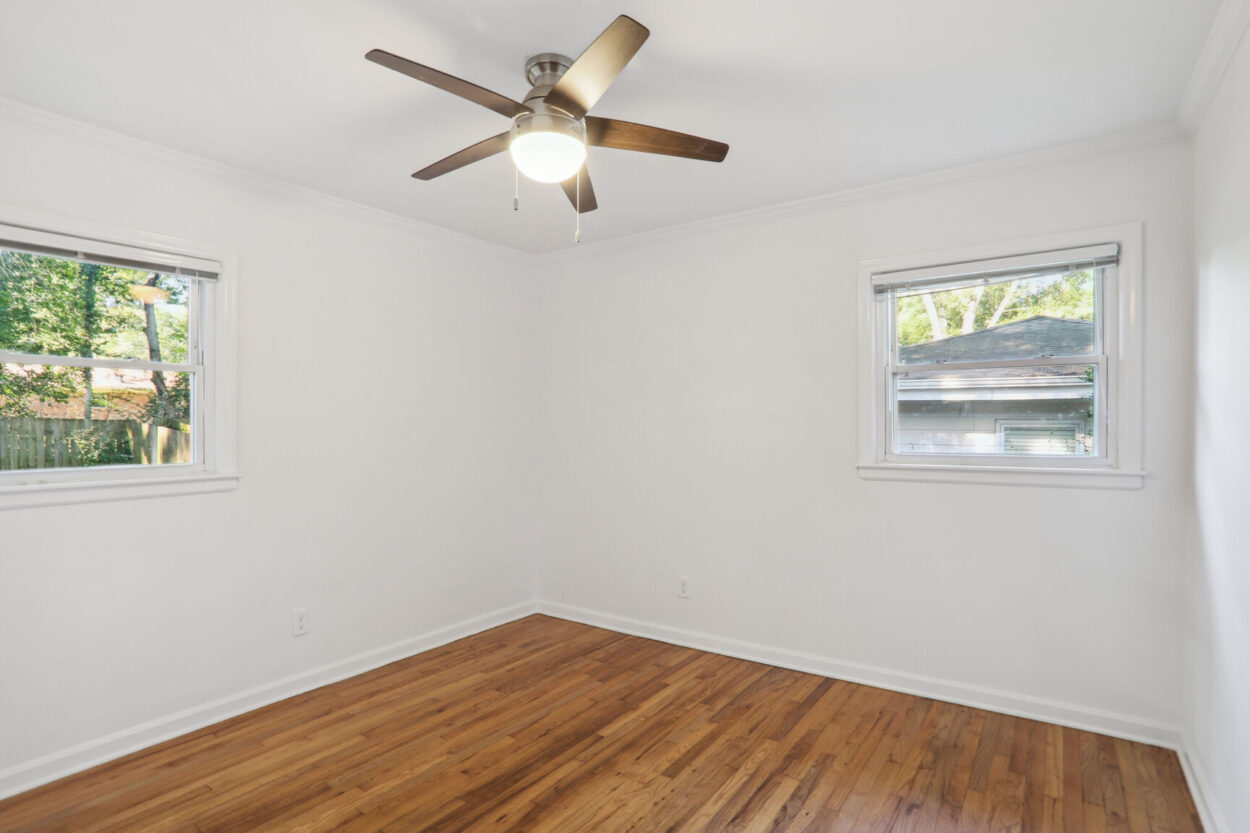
column 58, row 307
column 939, row 314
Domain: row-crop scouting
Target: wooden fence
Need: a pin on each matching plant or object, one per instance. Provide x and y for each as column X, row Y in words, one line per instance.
column 36, row 443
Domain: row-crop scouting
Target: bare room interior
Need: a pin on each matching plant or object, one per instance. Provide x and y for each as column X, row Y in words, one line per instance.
column 809, row 417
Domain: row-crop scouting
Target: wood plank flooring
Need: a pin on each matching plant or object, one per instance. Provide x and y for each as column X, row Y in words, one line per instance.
column 543, row 725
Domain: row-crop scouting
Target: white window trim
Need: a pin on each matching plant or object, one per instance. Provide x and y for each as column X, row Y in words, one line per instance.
column 1120, row 468
column 217, row 471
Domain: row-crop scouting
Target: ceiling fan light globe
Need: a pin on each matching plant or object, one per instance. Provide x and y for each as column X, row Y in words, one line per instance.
column 548, row 157
column 148, row 294
column 547, row 145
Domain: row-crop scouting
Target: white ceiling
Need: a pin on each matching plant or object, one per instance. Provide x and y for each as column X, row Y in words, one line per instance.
column 813, row 96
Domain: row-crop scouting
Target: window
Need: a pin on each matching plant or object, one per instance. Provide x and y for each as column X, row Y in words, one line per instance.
column 999, row 365
column 1051, row 437
column 108, row 370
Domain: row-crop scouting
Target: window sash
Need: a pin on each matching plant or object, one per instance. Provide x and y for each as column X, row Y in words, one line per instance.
column 197, row 412
column 10, row 357
column 1099, row 421
column 1037, row 361
column 888, row 328
column 196, row 298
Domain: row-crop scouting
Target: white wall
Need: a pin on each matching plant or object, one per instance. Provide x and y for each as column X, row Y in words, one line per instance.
column 1218, row 702
column 664, row 406
column 698, row 417
column 383, row 426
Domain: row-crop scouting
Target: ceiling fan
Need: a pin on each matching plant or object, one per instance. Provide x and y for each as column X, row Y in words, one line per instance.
column 551, row 129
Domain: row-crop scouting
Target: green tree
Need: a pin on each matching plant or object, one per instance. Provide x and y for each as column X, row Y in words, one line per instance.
column 935, row 315
column 53, row 306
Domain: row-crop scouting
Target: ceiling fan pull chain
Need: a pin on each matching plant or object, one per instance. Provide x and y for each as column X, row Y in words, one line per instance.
column 516, row 188
column 577, row 229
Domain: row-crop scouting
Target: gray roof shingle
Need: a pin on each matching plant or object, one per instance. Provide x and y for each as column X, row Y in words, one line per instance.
column 1041, row 335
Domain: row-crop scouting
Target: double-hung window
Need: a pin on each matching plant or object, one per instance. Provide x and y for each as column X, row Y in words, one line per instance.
column 108, row 370
column 1007, row 367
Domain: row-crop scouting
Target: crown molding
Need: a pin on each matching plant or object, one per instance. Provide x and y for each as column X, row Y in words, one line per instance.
column 1227, row 31
column 1108, row 143
column 15, row 112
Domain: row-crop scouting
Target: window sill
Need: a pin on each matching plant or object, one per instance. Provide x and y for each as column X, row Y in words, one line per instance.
column 23, row 496
column 1004, row 475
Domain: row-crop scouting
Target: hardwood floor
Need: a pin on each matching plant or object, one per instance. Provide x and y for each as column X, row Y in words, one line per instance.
column 545, row 725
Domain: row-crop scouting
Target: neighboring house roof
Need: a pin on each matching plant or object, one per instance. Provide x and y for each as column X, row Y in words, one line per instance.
column 126, row 392
column 1041, row 335
column 1029, row 338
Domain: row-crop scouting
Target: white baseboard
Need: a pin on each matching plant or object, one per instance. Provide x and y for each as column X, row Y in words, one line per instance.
column 1007, row 702
column 30, row 774
column 1213, row 820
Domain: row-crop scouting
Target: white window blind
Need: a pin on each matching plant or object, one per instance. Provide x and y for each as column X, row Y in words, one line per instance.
column 87, row 250
column 932, row 278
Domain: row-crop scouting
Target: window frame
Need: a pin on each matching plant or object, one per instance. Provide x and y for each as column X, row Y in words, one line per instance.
column 214, row 466
column 1117, row 462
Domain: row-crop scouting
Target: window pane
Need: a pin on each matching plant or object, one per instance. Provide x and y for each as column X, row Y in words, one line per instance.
column 1058, row 438
column 1022, row 317
column 57, row 307
column 1015, row 410
column 66, row 417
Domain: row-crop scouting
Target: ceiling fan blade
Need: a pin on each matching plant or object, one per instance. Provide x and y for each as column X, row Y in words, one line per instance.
column 456, row 86
column 625, row 135
column 595, row 69
column 588, row 201
column 471, row 154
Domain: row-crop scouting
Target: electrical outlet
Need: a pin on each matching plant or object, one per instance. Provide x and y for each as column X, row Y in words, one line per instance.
column 683, row 587
column 299, row 621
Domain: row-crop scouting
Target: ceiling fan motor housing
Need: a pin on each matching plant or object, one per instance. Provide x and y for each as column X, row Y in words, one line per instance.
column 542, row 71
